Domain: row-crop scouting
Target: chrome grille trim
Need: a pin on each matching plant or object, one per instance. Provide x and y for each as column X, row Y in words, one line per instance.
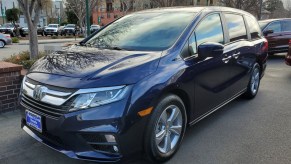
column 58, row 98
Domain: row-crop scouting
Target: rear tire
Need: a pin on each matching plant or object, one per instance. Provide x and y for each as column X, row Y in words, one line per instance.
column 166, row 129
column 2, row 44
column 254, row 83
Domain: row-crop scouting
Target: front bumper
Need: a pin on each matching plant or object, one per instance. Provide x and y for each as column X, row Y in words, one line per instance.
column 79, row 134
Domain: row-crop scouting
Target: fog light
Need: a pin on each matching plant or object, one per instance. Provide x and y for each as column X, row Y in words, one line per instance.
column 115, row 148
column 110, row 138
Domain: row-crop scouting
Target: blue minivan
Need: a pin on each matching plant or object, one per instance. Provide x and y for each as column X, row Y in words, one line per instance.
column 130, row 89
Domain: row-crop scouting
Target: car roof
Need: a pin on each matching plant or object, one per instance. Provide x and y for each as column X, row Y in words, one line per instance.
column 194, row 9
column 271, row 20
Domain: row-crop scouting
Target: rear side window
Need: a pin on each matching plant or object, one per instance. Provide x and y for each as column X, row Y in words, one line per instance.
column 236, row 27
column 254, row 27
column 209, row 30
column 275, row 26
column 286, row 25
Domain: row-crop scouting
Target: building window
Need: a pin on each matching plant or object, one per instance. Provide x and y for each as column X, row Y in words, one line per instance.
column 109, row 7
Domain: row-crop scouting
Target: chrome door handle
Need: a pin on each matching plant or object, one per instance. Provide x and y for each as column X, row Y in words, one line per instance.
column 226, row 60
column 236, row 55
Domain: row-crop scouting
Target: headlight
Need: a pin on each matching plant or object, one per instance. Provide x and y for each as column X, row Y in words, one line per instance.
column 98, row 97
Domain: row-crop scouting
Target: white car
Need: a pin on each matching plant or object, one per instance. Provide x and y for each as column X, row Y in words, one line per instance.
column 52, row 29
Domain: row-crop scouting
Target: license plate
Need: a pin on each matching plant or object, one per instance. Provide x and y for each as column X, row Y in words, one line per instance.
column 33, row 120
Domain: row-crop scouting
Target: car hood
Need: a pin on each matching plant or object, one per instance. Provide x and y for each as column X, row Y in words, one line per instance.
column 69, row 28
column 51, row 28
column 95, row 67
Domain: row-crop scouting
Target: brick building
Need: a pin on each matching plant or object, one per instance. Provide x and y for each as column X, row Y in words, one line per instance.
column 108, row 10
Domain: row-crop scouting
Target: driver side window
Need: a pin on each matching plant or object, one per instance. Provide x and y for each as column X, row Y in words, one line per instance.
column 210, row 30
column 275, row 26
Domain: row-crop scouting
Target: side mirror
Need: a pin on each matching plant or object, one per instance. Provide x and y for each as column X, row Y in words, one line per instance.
column 268, row 32
column 210, row 49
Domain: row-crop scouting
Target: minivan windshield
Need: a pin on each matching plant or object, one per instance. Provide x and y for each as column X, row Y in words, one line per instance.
column 155, row 31
column 53, row 26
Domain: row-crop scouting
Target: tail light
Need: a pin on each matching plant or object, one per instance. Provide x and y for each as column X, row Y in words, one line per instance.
column 290, row 42
column 7, row 36
column 265, row 46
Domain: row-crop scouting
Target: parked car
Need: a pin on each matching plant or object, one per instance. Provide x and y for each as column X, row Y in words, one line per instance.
column 52, row 29
column 133, row 88
column 5, row 39
column 288, row 56
column 278, row 34
column 8, row 28
column 69, row 29
column 94, row 28
column 40, row 30
column 24, row 31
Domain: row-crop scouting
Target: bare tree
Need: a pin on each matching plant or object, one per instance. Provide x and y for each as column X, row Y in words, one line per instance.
column 31, row 10
column 79, row 8
column 251, row 6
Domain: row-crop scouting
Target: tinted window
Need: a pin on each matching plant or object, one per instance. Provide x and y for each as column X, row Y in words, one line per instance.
column 209, row 30
column 153, row 31
column 275, row 26
column 236, row 27
column 254, row 27
column 286, row 25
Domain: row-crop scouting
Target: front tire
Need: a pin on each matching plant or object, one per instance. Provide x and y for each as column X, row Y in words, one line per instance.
column 166, row 129
column 254, row 83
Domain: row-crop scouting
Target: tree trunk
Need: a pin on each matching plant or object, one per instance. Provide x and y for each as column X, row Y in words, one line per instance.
column 33, row 42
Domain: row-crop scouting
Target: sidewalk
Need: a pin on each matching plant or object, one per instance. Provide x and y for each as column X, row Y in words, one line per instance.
column 46, row 41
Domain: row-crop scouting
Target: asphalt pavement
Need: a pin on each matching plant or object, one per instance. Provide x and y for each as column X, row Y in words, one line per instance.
column 254, row 131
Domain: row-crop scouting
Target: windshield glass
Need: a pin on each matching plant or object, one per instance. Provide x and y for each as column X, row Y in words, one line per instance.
column 70, row 25
column 53, row 26
column 263, row 24
column 143, row 31
column 8, row 25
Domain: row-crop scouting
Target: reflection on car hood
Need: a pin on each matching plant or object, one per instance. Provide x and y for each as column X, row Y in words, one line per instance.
column 93, row 63
column 49, row 28
column 69, row 28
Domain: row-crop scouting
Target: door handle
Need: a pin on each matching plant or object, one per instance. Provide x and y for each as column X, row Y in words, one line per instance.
column 236, row 55
column 226, row 59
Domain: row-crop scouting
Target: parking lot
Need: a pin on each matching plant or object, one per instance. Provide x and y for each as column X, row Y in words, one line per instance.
column 256, row 131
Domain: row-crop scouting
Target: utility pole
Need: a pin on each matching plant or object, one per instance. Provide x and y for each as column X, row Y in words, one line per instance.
column 87, row 18
column 260, row 12
column 2, row 12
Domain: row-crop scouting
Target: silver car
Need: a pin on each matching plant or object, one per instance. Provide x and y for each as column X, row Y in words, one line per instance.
column 5, row 39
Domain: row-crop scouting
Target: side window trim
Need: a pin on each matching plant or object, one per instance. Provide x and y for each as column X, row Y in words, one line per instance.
column 247, row 28
column 227, row 30
column 225, row 38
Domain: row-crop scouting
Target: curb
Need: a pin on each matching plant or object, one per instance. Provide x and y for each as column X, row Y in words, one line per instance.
column 48, row 42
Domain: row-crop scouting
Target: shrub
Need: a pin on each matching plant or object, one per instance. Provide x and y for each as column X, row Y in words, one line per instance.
column 23, row 58
column 55, row 37
column 81, row 36
column 15, row 40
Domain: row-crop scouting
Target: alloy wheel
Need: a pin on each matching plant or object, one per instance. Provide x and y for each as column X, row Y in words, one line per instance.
column 2, row 44
column 255, row 81
column 168, row 129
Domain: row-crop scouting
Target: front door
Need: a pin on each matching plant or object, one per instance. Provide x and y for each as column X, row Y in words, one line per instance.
column 211, row 75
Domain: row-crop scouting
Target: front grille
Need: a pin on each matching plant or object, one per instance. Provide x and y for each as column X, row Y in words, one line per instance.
column 60, row 89
column 49, row 30
column 44, row 108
